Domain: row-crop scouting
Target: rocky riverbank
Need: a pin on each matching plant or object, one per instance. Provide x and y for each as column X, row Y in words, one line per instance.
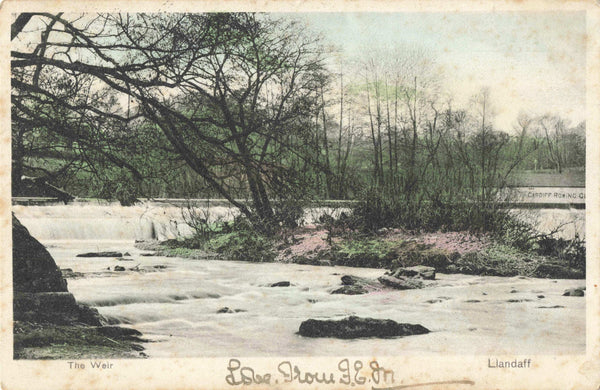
column 48, row 323
column 446, row 252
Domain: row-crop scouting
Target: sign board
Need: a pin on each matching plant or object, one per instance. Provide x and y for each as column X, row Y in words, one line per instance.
column 544, row 195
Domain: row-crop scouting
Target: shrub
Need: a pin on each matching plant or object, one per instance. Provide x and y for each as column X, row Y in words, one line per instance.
column 243, row 245
column 364, row 253
column 118, row 185
column 570, row 252
column 289, row 213
column 199, row 219
column 376, row 253
column 376, row 210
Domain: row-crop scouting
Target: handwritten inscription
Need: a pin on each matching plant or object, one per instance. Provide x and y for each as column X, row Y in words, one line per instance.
column 350, row 373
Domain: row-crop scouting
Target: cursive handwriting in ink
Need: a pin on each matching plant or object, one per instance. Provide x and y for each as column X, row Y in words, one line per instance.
column 401, row 387
column 239, row 375
column 349, row 373
column 295, row 374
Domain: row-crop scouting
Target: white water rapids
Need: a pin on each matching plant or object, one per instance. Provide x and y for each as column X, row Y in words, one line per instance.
column 176, row 307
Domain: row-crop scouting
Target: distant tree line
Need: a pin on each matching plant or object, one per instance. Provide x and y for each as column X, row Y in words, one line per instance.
column 248, row 106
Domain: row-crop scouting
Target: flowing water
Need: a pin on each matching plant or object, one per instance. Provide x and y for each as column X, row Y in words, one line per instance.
column 176, row 306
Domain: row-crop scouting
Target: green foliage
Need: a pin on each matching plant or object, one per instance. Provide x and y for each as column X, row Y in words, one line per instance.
column 199, row 219
column 244, row 246
column 366, row 251
column 411, row 253
column 233, row 240
column 375, row 211
column 571, row 252
column 289, row 213
column 521, row 236
column 116, row 184
column 49, row 341
column 498, row 260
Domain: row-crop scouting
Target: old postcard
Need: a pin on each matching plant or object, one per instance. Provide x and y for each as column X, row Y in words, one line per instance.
column 300, row 195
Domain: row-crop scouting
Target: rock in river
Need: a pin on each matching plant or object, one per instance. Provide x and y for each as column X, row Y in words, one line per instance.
column 228, row 310
column 354, row 285
column 350, row 290
column 356, row 327
column 101, row 254
column 419, row 271
column 401, row 282
column 574, row 292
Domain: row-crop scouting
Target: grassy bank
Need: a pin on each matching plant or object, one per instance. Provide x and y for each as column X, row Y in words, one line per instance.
column 49, row 341
column 448, row 252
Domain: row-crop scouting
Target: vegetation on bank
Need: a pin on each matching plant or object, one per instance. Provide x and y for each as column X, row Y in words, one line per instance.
column 264, row 113
column 499, row 246
column 51, row 341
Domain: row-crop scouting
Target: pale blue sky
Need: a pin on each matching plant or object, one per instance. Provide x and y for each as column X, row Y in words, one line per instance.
column 532, row 61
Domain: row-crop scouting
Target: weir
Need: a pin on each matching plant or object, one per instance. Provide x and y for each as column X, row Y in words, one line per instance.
column 180, row 304
column 101, row 220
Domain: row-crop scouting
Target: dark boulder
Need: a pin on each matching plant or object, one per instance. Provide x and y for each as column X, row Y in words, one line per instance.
column 574, row 292
column 53, row 307
column 226, row 310
column 90, row 316
column 119, row 268
column 370, row 284
column 101, row 254
column 356, row 327
column 117, row 332
column 350, row 290
column 40, row 293
column 70, row 274
column 400, row 283
column 34, row 269
column 43, row 308
column 281, row 284
column 355, row 285
column 419, row 271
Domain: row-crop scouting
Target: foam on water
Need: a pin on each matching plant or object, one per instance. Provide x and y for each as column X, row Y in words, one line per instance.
column 177, row 306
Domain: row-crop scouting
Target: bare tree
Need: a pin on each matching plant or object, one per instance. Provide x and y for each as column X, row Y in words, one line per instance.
column 554, row 130
column 226, row 90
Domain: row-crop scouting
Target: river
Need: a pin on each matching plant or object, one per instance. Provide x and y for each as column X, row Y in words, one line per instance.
column 176, row 306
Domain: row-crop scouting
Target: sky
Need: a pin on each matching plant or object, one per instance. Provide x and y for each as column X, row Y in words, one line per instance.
column 532, row 62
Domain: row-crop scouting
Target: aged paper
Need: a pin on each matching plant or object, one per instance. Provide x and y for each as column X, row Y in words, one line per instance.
column 561, row 45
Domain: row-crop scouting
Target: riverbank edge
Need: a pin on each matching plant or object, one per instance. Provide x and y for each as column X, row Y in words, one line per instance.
column 48, row 322
column 447, row 252
column 44, row 341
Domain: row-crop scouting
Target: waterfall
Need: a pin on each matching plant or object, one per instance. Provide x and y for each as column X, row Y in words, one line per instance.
column 96, row 220
column 109, row 221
